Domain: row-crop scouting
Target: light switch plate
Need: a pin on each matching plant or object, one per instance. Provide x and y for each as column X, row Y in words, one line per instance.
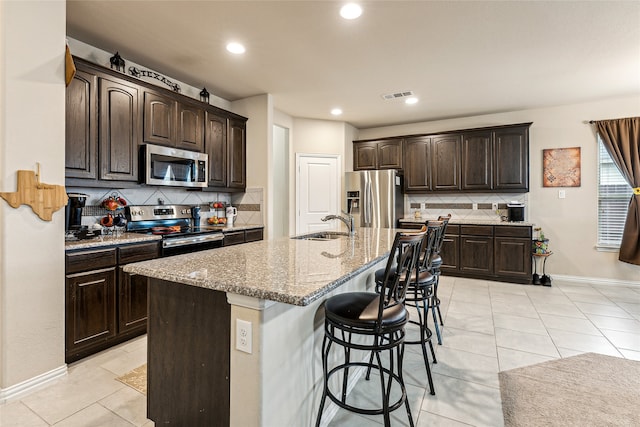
column 561, row 194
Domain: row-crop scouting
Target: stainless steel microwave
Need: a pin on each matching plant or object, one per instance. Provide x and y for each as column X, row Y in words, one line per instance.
column 174, row 167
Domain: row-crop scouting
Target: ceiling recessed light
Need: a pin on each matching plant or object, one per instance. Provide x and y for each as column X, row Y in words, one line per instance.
column 350, row 11
column 336, row 111
column 236, row 48
column 412, row 100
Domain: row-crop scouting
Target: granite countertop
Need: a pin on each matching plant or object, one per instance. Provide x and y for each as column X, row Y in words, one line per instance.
column 285, row 270
column 110, row 240
column 470, row 221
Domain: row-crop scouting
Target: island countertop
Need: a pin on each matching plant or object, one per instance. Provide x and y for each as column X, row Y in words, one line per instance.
column 287, row 270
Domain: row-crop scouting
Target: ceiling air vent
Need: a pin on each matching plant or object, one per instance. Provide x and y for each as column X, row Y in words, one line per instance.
column 397, row 95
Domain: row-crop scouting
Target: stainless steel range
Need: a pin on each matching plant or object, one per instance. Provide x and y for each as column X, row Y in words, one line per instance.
column 175, row 223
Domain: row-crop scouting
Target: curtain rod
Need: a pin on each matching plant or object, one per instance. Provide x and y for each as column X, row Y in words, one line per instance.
column 591, row 122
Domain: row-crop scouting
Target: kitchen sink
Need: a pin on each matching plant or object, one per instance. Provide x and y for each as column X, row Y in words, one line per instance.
column 322, row 235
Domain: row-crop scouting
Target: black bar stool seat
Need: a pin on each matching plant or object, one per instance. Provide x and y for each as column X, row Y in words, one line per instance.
column 360, row 310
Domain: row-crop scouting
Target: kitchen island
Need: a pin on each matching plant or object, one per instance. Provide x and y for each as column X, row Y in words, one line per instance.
column 196, row 374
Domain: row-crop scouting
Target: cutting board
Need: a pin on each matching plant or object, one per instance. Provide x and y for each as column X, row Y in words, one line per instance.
column 44, row 199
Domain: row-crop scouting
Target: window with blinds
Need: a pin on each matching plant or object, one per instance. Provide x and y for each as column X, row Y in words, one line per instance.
column 613, row 200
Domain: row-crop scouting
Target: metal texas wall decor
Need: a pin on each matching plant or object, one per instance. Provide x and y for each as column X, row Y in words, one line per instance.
column 138, row 73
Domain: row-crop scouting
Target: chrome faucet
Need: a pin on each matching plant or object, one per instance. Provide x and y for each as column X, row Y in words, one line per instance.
column 348, row 220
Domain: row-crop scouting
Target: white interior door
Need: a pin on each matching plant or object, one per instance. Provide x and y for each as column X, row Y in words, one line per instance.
column 318, row 183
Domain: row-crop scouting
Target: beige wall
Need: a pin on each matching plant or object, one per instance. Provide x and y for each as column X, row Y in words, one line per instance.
column 32, row 130
column 259, row 110
column 570, row 223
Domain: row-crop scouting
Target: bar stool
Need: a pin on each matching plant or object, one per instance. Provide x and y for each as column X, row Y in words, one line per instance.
column 376, row 321
column 420, row 292
column 436, row 263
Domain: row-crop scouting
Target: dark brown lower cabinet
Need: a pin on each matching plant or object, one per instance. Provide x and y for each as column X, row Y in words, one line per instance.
column 476, row 249
column 242, row 236
column 132, row 302
column 500, row 252
column 104, row 305
column 513, row 252
column 91, row 310
column 132, row 295
column 450, row 251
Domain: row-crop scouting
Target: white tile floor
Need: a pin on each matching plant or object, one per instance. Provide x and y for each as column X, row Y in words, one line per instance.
column 489, row 327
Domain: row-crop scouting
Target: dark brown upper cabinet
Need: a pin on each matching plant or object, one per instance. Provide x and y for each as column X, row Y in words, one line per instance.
column 384, row 154
column 172, row 123
column 511, row 159
column 477, row 160
column 445, row 162
column 237, row 154
column 190, row 127
column 390, row 154
column 225, row 143
column 496, row 159
column 119, row 130
column 81, row 127
column 432, row 163
column 159, row 114
column 109, row 114
column 215, row 137
column 487, row 159
column 365, row 156
column 417, row 164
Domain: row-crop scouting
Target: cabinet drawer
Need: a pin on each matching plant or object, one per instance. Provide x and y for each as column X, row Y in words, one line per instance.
column 138, row 252
column 411, row 225
column 233, row 238
column 90, row 260
column 453, row 230
column 254, row 235
column 511, row 231
column 476, row 230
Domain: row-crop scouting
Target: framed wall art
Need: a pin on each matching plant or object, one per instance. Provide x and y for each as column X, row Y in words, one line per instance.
column 561, row 167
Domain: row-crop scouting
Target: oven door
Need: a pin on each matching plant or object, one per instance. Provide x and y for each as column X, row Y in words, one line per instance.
column 185, row 245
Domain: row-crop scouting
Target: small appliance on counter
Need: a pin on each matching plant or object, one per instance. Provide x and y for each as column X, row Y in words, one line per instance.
column 74, row 230
column 515, row 212
column 232, row 213
column 73, row 211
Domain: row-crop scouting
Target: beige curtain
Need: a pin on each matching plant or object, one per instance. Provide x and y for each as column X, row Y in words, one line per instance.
column 621, row 138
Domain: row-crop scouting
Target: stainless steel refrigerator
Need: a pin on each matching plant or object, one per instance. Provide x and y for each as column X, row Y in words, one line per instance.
column 374, row 198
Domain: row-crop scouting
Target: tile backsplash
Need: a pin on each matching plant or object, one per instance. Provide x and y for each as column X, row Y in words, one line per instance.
column 249, row 204
column 462, row 205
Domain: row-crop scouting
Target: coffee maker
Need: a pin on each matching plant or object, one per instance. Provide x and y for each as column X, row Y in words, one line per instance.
column 73, row 211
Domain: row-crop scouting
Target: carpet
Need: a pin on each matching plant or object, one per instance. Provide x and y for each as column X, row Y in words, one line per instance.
column 585, row 390
column 136, row 379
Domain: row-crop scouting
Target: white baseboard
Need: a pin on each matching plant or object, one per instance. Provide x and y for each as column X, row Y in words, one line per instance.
column 18, row 390
column 594, row 280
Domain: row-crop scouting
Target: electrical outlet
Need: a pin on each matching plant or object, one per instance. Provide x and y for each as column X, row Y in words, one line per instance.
column 475, row 206
column 243, row 336
column 494, row 206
